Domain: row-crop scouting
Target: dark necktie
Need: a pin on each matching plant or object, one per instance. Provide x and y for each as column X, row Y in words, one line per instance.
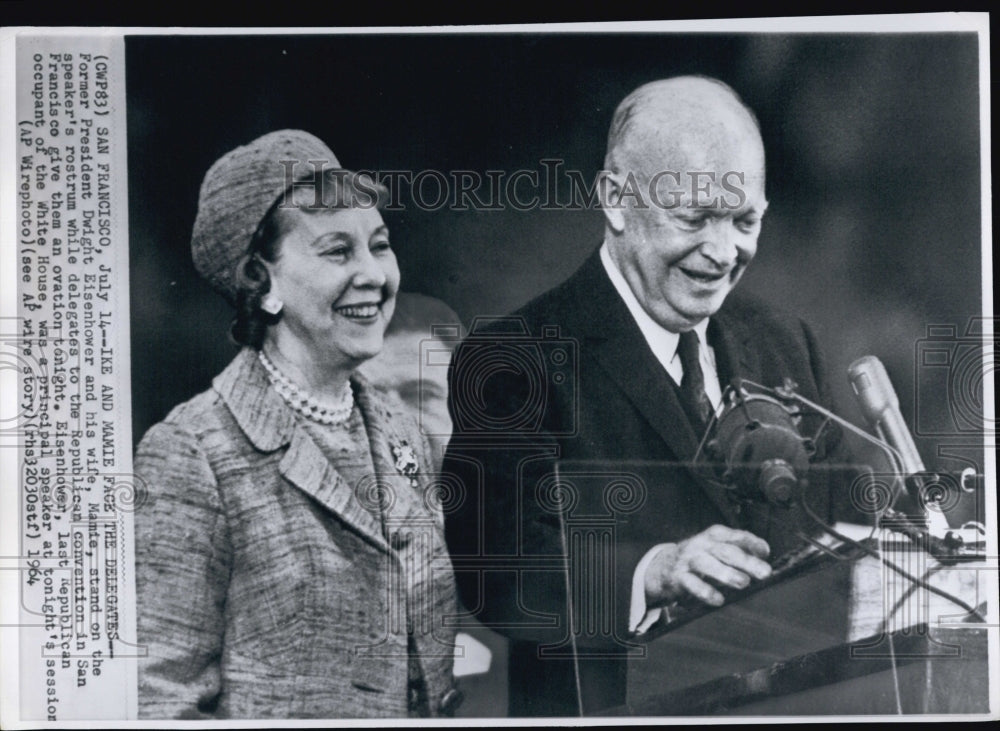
column 693, row 396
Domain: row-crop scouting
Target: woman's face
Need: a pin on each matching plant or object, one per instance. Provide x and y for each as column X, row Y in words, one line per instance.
column 337, row 277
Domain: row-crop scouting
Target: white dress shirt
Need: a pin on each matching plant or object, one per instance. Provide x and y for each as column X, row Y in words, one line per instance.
column 663, row 343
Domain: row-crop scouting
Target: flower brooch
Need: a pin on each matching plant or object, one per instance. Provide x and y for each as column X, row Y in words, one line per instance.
column 406, row 461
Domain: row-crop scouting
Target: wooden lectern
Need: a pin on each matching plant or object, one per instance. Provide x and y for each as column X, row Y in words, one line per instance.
column 838, row 633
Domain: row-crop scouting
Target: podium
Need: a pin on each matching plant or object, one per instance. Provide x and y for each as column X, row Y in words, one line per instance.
column 838, row 633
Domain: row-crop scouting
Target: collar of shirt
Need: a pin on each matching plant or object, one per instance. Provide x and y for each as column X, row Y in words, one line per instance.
column 661, row 341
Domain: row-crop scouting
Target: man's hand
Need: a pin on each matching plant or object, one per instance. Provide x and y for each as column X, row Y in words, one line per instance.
column 718, row 555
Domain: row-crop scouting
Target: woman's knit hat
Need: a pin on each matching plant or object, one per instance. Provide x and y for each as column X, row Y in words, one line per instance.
column 237, row 192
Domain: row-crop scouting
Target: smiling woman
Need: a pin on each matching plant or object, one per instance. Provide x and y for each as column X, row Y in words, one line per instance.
column 290, row 562
column 323, row 262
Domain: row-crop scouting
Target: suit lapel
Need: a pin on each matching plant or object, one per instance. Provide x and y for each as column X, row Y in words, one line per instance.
column 270, row 424
column 614, row 339
column 735, row 356
column 629, row 363
column 306, row 467
column 407, row 511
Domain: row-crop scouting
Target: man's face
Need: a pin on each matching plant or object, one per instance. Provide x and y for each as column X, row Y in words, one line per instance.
column 688, row 243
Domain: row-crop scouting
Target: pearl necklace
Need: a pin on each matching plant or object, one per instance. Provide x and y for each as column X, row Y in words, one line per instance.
column 303, row 402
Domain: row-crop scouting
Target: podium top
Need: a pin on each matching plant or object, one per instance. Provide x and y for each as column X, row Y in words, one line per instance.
column 827, row 618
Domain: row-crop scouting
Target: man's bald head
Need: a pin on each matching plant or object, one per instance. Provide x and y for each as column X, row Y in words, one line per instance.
column 679, row 123
column 683, row 196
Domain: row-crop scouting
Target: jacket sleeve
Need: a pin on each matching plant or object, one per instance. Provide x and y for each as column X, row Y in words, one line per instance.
column 183, row 560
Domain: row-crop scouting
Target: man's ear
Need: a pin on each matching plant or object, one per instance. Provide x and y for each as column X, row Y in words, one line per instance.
column 609, row 191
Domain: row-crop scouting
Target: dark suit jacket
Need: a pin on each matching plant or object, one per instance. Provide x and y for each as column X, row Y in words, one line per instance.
column 593, row 391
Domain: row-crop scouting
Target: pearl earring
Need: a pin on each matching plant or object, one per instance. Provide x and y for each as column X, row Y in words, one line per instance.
column 271, row 304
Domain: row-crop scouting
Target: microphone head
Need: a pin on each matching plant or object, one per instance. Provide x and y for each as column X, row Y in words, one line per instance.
column 778, row 482
column 872, row 388
column 764, row 454
column 878, row 402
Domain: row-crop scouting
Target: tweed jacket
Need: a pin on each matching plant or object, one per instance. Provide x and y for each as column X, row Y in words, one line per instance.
column 267, row 586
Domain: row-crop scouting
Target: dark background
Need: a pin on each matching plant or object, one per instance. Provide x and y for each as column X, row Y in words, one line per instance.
column 873, row 231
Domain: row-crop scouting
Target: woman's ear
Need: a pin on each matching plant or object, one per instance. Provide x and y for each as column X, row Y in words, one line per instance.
column 271, row 304
column 269, row 268
column 609, row 191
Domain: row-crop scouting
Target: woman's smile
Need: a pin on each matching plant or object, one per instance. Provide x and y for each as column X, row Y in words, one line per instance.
column 362, row 312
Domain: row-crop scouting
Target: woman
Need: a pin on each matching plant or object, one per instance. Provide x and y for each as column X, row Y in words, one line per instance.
column 290, row 558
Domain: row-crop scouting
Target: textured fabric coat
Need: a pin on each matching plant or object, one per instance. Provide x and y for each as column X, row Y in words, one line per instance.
column 576, row 449
column 267, row 586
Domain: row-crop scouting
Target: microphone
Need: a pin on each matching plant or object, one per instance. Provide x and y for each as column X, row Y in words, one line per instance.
column 764, row 454
column 880, row 406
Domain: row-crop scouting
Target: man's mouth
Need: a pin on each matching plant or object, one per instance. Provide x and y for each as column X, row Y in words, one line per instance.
column 702, row 276
column 360, row 311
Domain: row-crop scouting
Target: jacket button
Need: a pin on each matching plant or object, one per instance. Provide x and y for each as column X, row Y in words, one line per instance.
column 451, row 700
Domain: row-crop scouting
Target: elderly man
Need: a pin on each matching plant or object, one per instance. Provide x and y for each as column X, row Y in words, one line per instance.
column 653, row 336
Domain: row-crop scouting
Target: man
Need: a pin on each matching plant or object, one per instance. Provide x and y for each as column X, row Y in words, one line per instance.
column 655, row 337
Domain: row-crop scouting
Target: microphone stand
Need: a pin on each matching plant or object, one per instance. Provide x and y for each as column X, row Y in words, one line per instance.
column 950, row 548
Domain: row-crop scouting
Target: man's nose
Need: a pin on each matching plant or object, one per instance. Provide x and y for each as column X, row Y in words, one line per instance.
column 720, row 244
